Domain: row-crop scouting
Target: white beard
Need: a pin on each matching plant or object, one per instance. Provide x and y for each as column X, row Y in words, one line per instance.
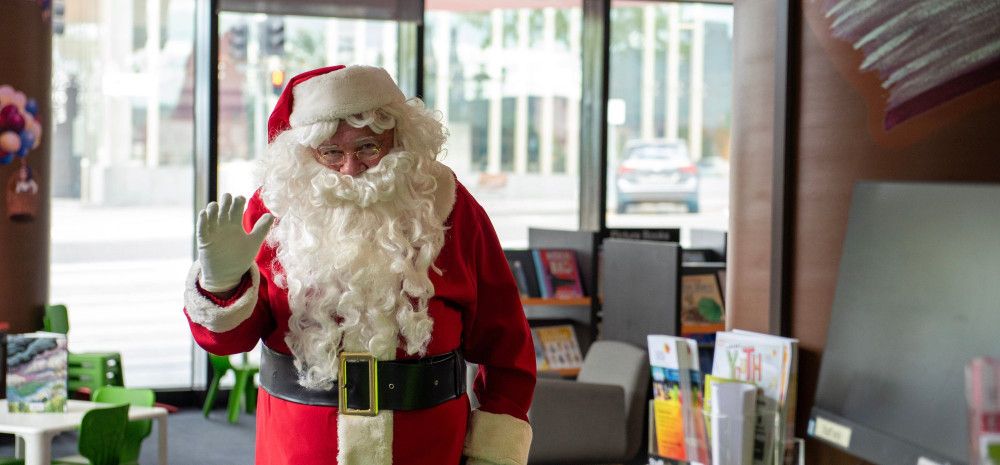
column 354, row 255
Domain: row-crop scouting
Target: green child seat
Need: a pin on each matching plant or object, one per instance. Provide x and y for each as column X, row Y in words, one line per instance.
column 243, row 390
column 137, row 430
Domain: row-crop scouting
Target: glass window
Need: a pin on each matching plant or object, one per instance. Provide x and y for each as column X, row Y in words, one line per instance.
column 669, row 115
column 506, row 79
column 122, row 178
column 258, row 53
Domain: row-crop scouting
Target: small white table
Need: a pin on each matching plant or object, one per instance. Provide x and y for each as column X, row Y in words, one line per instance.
column 38, row 429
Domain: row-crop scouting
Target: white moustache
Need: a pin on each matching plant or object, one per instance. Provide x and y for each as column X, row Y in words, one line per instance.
column 379, row 183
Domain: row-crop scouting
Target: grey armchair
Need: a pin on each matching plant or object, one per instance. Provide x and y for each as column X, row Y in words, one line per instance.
column 599, row 417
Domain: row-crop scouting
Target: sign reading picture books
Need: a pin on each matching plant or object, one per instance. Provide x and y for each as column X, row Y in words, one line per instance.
column 36, row 372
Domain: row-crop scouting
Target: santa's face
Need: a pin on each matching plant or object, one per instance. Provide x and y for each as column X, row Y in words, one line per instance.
column 352, row 151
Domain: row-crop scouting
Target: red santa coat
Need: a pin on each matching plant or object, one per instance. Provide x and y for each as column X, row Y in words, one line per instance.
column 476, row 307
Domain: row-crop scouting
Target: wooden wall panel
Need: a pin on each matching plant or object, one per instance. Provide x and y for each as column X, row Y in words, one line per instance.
column 750, row 191
column 841, row 141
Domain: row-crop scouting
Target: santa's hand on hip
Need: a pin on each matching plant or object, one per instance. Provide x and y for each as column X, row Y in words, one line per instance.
column 225, row 251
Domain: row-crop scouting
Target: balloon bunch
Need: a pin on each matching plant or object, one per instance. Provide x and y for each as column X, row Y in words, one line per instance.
column 20, row 130
column 46, row 6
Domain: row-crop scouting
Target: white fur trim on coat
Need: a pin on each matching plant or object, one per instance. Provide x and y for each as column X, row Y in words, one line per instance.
column 341, row 93
column 497, row 439
column 218, row 319
column 364, row 440
column 444, row 197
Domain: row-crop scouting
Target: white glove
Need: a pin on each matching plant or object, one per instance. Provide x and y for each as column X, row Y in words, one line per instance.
column 224, row 250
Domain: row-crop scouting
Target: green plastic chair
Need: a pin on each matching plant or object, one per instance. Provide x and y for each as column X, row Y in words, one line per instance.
column 243, row 390
column 137, row 430
column 56, row 319
column 102, row 433
column 89, row 370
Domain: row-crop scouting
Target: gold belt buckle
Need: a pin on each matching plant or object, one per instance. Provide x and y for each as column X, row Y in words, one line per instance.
column 346, row 357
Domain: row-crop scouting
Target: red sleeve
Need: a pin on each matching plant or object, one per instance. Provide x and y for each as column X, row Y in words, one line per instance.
column 495, row 333
column 247, row 333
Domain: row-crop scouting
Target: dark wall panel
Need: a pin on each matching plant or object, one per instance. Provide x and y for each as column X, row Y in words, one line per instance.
column 26, row 59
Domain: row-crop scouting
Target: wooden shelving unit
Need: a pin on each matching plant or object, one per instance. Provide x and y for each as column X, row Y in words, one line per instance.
column 563, row 372
column 536, row 301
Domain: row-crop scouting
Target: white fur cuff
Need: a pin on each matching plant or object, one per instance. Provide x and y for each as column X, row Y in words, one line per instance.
column 218, row 319
column 497, row 438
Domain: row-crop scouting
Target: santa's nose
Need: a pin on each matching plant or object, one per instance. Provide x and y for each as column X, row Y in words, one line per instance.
column 353, row 166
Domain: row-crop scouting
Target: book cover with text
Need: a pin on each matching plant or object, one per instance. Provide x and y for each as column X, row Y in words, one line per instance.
column 558, row 273
column 770, row 363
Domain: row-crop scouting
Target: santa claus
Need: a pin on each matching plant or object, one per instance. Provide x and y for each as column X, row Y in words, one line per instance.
column 379, row 277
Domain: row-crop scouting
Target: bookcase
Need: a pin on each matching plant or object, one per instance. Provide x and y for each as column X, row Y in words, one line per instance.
column 632, row 279
column 580, row 313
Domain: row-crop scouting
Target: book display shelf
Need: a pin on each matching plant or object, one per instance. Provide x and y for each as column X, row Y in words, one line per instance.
column 578, row 312
column 643, row 279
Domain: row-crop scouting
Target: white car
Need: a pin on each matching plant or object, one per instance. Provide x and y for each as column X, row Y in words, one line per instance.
column 656, row 171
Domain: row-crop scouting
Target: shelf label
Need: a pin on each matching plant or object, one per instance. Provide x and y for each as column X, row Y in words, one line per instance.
column 833, row 432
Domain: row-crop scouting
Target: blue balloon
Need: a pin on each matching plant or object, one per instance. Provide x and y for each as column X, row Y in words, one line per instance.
column 6, row 159
column 21, row 152
column 31, row 107
column 27, row 141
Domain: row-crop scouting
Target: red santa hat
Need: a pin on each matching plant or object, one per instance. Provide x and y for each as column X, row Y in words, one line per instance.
column 331, row 93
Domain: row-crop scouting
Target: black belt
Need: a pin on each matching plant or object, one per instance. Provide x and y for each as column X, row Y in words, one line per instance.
column 399, row 384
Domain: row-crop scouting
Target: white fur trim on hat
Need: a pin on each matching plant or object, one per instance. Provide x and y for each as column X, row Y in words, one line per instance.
column 497, row 439
column 218, row 319
column 341, row 93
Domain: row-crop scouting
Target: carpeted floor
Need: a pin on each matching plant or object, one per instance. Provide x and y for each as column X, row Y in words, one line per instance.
column 191, row 439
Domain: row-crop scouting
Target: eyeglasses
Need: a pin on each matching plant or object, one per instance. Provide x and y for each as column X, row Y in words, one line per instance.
column 366, row 151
